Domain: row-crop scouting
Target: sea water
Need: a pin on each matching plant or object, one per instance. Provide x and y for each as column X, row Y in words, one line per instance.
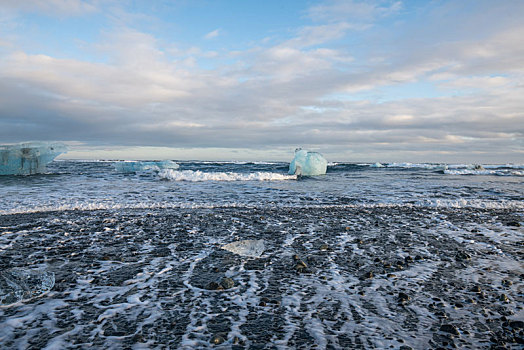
column 366, row 256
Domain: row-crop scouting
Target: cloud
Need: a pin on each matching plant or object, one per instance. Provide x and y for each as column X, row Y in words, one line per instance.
column 212, row 34
column 354, row 11
column 301, row 91
column 51, row 7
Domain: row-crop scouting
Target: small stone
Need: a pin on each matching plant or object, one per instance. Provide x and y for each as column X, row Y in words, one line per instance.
column 461, row 256
column 476, row 289
column 504, row 298
column 516, row 324
column 324, row 247
column 408, row 259
column 418, row 257
column 506, row 283
column 513, row 223
column 449, row 328
column 217, row 339
column 391, row 275
column 368, row 275
column 403, row 297
column 227, row 283
column 387, row 265
column 212, row 286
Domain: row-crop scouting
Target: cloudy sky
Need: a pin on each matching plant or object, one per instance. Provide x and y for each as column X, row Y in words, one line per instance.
column 439, row 81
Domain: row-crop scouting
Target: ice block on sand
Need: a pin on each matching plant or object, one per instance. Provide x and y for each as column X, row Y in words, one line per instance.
column 16, row 285
column 28, row 158
column 249, row 247
column 307, row 163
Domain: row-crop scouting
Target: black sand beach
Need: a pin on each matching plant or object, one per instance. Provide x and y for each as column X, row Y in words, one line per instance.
column 333, row 277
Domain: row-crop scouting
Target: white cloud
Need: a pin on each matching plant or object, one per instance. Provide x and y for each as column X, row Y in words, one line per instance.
column 354, row 11
column 51, row 7
column 212, row 34
column 299, row 91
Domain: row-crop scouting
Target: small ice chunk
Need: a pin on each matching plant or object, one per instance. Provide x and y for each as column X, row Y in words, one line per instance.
column 136, row 166
column 16, row 285
column 250, row 247
column 28, row 158
column 307, row 163
column 377, row 165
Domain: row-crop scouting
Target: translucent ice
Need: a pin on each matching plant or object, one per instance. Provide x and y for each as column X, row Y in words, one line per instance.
column 249, row 247
column 134, row 166
column 16, row 285
column 307, row 163
column 28, row 158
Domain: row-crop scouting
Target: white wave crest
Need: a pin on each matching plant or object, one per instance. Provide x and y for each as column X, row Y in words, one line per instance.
column 498, row 172
column 198, row 176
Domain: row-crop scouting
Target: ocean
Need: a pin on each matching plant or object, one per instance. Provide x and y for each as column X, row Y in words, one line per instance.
column 368, row 256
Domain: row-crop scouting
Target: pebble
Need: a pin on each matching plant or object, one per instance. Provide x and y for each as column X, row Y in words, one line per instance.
column 504, row 298
column 212, row 286
column 403, row 297
column 461, row 256
column 476, row 289
column 217, row 339
column 506, row 283
column 449, row 328
column 227, row 283
column 368, row 275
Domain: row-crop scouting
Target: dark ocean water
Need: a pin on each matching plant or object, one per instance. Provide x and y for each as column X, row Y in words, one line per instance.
column 366, row 256
column 96, row 185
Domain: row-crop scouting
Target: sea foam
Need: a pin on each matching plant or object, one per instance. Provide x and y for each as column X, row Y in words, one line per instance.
column 198, row 176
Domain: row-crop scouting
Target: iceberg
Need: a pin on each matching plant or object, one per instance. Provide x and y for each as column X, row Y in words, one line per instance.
column 17, row 285
column 137, row 166
column 28, row 158
column 307, row 163
column 249, row 247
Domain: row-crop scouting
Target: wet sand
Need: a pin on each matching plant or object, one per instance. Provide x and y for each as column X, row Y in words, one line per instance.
column 395, row 277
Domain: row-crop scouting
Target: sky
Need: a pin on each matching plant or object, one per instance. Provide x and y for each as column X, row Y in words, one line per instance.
column 359, row 81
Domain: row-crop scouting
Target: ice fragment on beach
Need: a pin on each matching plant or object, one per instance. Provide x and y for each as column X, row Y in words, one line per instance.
column 28, row 158
column 307, row 163
column 249, row 247
column 16, row 285
column 135, row 166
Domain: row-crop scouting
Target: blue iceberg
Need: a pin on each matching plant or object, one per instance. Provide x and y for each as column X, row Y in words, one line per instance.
column 28, row 158
column 307, row 163
column 138, row 166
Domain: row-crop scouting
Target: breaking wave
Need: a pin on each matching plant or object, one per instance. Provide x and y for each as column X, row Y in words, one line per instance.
column 498, row 172
column 199, row 176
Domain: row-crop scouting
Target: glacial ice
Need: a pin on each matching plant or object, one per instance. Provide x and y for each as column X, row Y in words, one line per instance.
column 249, row 247
column 28, row 158
column 137, row 166
column 307, row 163
column 17, row 285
